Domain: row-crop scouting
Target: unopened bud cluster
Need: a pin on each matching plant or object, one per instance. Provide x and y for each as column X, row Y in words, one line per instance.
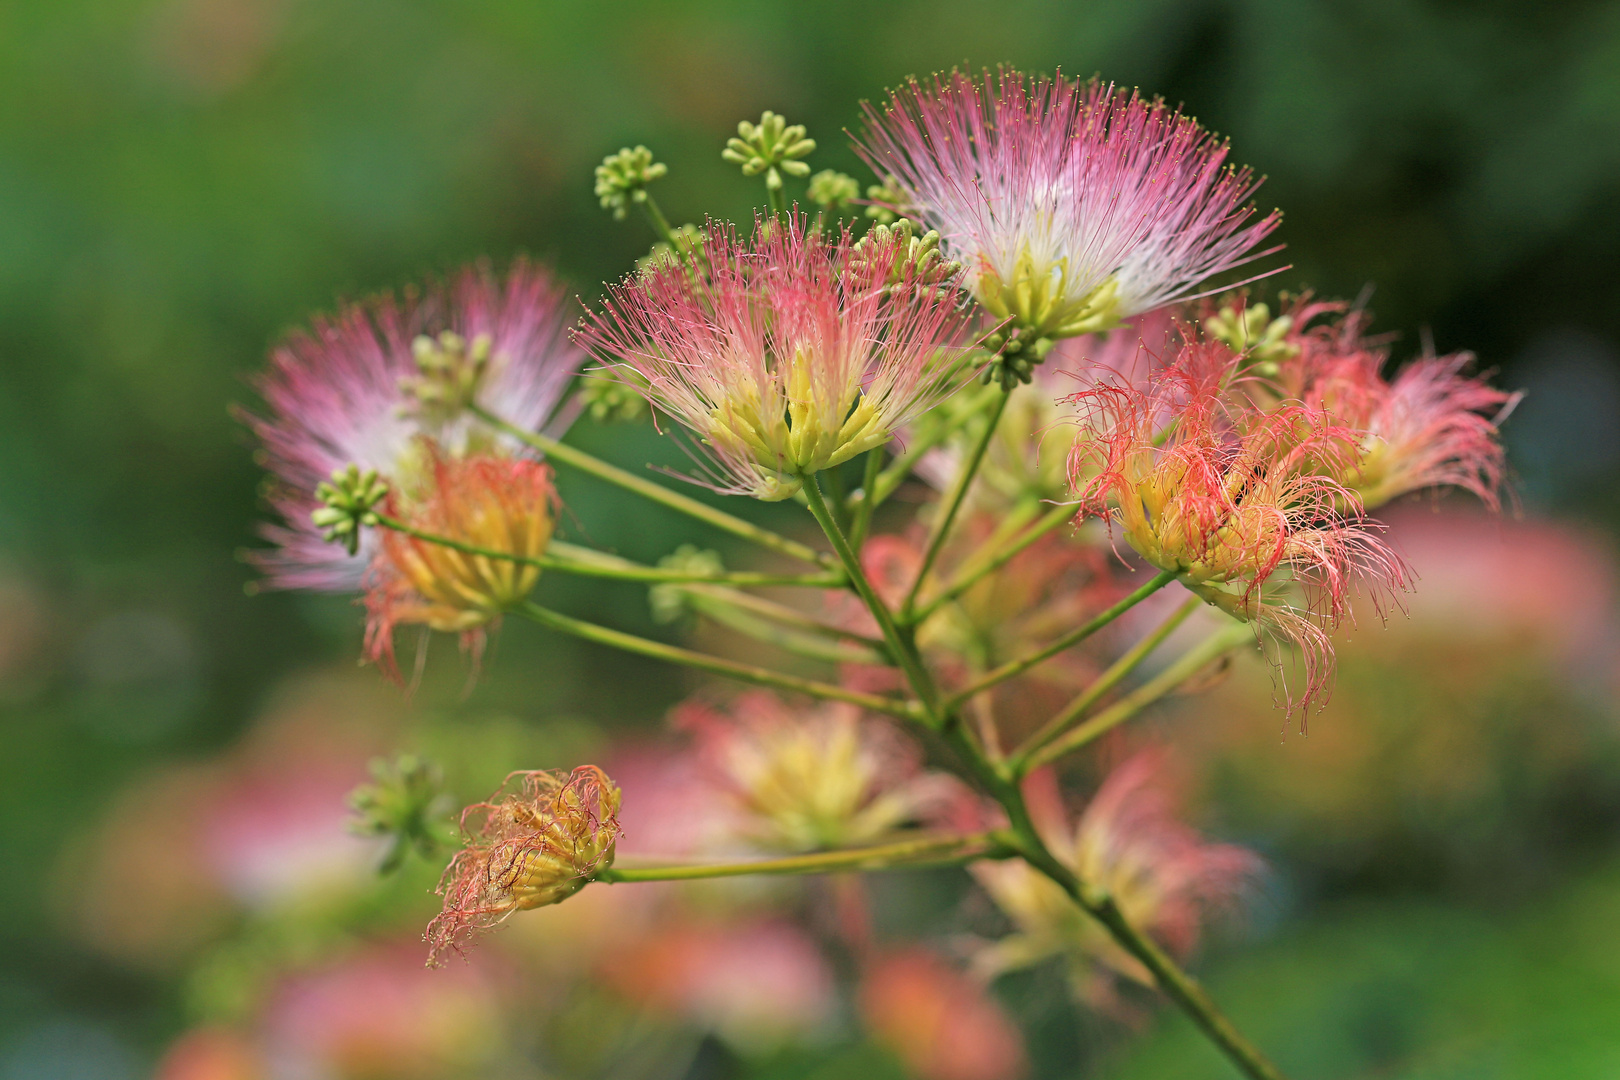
column 349, row 502
column 771, row 147
column 622, row 179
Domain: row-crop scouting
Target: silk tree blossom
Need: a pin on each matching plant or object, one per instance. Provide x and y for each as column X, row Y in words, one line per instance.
column 787, row 353
column 1131, row 844
column 1429, row 426
column 362, row 386
column 537, row 841
column 1245, row 506
column 1072, row 205
column 485, row 500
column 814, row 777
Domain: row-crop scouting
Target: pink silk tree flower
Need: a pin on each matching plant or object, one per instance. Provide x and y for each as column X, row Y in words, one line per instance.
column 940, row 1021
column 1072, row 205
column 1131, row 843
column 805, row 778
column 537, row 841
column 1246, row 507
column 1429, row 426
column 484, row 500
column 786, row 353
column 362, row 386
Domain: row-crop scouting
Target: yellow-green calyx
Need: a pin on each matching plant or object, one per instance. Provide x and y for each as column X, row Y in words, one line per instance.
column 1038, row 299
column 808, row 431
column 1255, row 332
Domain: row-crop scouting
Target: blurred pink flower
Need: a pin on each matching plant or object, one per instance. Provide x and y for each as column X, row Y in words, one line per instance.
column 336, row 397
column 938, row 1021
column 212, row 1053
column 757, row 984
column 1130, row 843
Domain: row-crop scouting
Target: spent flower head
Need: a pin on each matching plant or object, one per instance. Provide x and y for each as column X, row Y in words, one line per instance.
column 537, row 841
column 771, row 147
column 787, row 353
column 1246, row 507
column 1072, row 205
column 622, row 179
column 489, row 502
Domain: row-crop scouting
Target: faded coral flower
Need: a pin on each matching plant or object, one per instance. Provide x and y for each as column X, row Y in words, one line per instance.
column 1430, row 425
column 537, row 841
column 363, row 386
column 787, row 353
column 486, row 501
column 1073, row 205
column 813, row 777
column 1246, row 507
column 1130, row 843
column 938, row 1020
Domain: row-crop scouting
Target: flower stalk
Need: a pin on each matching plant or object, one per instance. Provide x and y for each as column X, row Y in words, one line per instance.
column 913, row 853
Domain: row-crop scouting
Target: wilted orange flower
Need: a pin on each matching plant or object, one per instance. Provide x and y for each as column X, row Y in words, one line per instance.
column 485, row 500
column 537, row 844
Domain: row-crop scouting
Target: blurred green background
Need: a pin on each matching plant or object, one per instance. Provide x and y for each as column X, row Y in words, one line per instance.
column 183, row 180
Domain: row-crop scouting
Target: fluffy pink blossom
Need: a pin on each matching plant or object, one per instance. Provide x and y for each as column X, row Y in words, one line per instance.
column 1073, row 205
column 786, row 353
column 1130, row 842
column 1429, row 426
column 336, row 397
column 1245, row 506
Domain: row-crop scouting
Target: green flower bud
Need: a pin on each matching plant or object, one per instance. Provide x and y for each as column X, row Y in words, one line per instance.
column 348, row 503
column 1255, row 332
column 770, row 147
column 833, row 190
column 610, row 395
column 452, row 368
column 669, row 601
column 886, row 197
column 622, row 179
column 407, row 803
column 912, row 254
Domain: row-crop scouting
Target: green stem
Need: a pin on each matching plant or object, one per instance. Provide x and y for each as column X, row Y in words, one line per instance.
column 890, row 479
column 920, row 851
column 660, row 223
column 1105, row 682
column 953, row 503
column 787, row 616
column 1176, row 984
column 579, row 459
column 1191, row 663
column 798, row 642
column 1074, row 637
column 973, row 574
column 588, row 563
column 922, row 683
column 749, row 673
column 862, row 510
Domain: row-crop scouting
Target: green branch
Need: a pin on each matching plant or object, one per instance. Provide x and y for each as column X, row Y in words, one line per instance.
column 920, row 851
column 749, row 673
column 674, row 500
column 1109, row 679
column 1015, row 668
column 952, row 504
column 973, row 574
column 1191, row 663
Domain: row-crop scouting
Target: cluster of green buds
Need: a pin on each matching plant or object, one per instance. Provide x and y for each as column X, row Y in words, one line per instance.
column 348, row 504
column 687, row 246
column 622, row 179
column 833, row 191
column 913, row 254
column 406, row 802
column 451, row 369
column 671, row 602
column 770, row 147
column 610, row 395
column 884, row 197
column 1018, row 352
column 1255, row 332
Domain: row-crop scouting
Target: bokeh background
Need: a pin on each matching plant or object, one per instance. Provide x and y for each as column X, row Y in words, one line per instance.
column 183, row 180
